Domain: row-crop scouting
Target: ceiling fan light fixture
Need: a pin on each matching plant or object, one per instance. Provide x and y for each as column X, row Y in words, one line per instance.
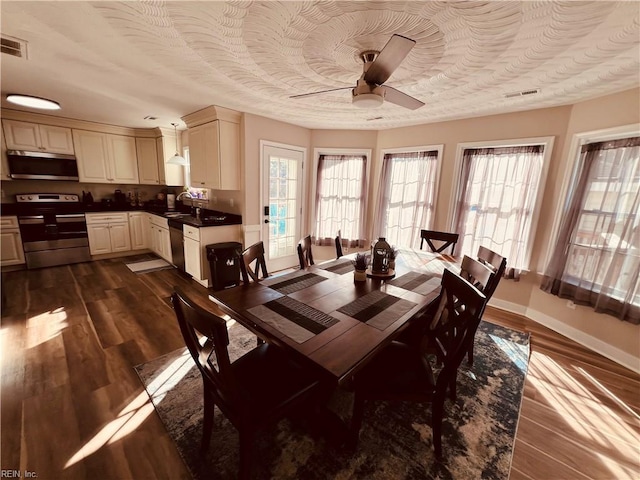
column 32, row 102
column 177, row 159
column 367, row 100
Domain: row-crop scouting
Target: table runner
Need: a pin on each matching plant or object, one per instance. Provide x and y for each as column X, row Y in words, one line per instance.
column 296, row 320
column 377, row 309
column 422, row 283
column 339, row 267
column 290, row 283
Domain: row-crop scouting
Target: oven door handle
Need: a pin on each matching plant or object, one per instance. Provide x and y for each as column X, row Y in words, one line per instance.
column 31, row 220
column 70, row 218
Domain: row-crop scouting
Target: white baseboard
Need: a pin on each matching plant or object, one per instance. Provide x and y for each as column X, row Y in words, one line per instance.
column 592, row 343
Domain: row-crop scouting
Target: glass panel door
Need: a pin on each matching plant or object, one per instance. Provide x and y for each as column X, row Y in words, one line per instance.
column 282, row 205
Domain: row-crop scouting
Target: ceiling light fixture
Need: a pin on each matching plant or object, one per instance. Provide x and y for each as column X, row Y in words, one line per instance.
column 177, row 159
column 33, row 102
column 367, row 100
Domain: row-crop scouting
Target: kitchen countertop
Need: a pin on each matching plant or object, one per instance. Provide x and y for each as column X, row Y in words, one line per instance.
column 208, row 218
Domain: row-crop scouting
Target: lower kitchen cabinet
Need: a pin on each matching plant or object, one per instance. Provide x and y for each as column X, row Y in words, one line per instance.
column 108, row 232
column 11, row 252
column 140, row 229
column 196, row 240
column 160, row 239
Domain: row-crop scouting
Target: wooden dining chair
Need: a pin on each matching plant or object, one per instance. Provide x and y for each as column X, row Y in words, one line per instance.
column 253, row 265
column 338, row 241
column 445, row 239
column 498, row 264
column 258, row 389
column 400, row 372
column 305, row 256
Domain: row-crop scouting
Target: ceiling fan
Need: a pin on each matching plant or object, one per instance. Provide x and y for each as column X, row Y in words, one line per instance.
column 370, row 91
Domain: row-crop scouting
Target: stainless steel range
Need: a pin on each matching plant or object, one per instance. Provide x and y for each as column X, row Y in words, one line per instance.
column 53, row 229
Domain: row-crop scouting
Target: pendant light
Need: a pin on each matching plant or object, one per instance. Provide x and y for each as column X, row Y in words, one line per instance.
column 177, row 159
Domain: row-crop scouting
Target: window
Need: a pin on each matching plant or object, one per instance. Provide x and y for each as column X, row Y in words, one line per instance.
column 408, row 191
column 596, row 260
column 340, row 199
column 499, row 196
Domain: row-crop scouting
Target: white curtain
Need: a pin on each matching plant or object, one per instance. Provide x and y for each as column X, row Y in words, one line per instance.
column 407, row 192
column 499, row 187
column 596, row 261
column 340, row 199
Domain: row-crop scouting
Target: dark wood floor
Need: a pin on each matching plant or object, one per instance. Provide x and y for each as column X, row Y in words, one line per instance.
column 73, row 407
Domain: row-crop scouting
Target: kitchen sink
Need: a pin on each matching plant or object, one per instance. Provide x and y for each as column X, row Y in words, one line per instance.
column 176, row 215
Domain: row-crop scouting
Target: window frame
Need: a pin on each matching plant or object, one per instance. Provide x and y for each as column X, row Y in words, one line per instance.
column 547, row 142
column 366, row 152
column 410, row 149
column 571, row 170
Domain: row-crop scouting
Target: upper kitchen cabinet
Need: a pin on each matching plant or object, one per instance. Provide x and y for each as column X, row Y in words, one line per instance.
column 172, row 175
column 105, row 158
column 148, row 172
column 214, row 148
column 37, row 137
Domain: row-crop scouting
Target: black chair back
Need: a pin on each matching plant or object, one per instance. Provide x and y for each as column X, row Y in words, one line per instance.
column 305, row 256
column 497, row 263
column 446, row 240
column 253, row 264
column 338, row 241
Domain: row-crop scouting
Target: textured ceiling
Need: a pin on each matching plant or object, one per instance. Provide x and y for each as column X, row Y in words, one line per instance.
column 116, row 63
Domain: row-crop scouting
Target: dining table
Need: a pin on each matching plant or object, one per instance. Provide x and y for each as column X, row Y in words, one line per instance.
column 326, row 319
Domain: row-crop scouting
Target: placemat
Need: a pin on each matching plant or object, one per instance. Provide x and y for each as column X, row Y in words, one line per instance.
column 422, row 283
column 378, row 309
column 293, row 282
column 296, row 320
column 339, row 267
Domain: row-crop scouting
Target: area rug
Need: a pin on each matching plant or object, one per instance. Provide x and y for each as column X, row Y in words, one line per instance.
column 395, row 439
column 147, row 266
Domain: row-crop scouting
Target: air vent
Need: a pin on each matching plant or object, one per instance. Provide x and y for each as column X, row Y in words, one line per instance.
column 14, row 46
column 374, row 118
column 522, row 94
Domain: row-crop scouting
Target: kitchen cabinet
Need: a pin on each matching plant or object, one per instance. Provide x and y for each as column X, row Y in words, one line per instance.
column 196, row 240
column 214, row 153
column 160, row 240
column 172, row 175
column 105, row 157
column 140, row 230
column 11, row 252
column 147, row 155
column 108, row 232
column 36, row 137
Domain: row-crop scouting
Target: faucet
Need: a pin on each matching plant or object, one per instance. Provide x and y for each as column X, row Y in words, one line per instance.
column 182, row 194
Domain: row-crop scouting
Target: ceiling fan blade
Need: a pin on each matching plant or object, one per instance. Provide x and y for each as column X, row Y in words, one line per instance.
column 320, row 92
column 396, row 96
column 389, row 59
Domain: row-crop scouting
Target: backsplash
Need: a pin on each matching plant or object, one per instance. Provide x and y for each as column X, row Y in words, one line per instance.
column 222, row 200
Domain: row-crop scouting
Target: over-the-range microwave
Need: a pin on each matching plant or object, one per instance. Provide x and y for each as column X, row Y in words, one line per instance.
column 42, row 165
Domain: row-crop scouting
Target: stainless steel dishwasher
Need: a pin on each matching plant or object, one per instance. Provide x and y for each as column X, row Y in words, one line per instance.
column 177, row 243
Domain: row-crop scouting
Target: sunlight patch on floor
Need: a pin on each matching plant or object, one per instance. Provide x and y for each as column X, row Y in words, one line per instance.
column 136, row 412
column 600, row 424
column 517, row 352
column 43, row 327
